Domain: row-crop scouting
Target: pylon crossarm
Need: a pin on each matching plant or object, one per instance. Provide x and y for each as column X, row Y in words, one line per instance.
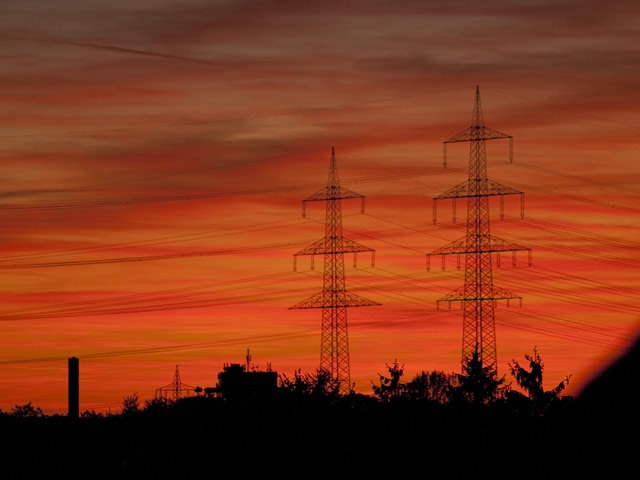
column 324, row 300
column 354, row 300
column 502, row 294
column 475, row 133
column 495, row 245
column 455, row 296
column 326, row 246
column 493, row 189
column 497, row 293
column 172, row 386
column 331, row 192
column 457, row 246
column 168, row 390
column 458, row 191
column 500, row 245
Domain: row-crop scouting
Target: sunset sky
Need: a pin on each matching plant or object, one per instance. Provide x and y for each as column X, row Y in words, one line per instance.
column 154, row 155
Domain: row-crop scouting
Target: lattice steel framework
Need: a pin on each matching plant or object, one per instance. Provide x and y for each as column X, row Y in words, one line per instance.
column 478, row 296
column 175, row 390
column 334, row 298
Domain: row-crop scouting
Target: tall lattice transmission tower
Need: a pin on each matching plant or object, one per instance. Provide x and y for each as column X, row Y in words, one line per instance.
column 478, row 296
column 334, row 298
column 175, row 390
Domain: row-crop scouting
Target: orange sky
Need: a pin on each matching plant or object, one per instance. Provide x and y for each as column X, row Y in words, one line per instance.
column 166, row 129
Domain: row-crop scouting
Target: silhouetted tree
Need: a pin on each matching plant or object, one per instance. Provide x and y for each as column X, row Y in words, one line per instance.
column 432, row 386
column 157, row 405
column 297, row 385
column 130, row 404
column 322, row 385
column 480, row 385
column 318, row 385
column 531, row 382
column 91, row 414
column 390, row 387
column 26, row 411
column 198, row 390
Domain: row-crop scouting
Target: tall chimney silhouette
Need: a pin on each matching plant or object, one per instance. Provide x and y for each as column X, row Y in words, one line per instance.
column 74, row 387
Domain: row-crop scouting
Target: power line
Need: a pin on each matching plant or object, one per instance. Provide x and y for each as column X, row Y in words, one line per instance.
column 566, row 109
column 568, row 251
column 577, row 198
column 166, row 349
column 569, row 323
column 576, row 177
column 161, row 240
column 192, row 197
column 82, row 307
column 147, row 258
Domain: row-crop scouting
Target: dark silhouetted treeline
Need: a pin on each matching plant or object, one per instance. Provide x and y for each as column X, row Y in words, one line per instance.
column 434, row 423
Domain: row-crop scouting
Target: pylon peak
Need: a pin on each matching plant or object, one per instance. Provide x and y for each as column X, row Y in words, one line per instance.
column 477, row 120
column 334, row 179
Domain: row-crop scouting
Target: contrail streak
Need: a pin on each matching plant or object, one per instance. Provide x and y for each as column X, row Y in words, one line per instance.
column 115, row 48
column 135, row 51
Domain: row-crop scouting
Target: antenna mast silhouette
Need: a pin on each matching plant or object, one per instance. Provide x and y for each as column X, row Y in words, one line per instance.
column 478, row 295
column 334, row 299
column 175, row 390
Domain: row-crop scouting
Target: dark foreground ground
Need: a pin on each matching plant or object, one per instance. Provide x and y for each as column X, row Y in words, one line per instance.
column 307, row 436
column 211, row 438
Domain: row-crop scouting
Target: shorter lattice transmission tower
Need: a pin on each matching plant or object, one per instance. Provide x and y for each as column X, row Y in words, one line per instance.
column 175, row 390
column 478, row 296
column 334, row 298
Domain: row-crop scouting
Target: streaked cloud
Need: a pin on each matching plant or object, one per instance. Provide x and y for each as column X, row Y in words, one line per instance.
column 159, row 128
